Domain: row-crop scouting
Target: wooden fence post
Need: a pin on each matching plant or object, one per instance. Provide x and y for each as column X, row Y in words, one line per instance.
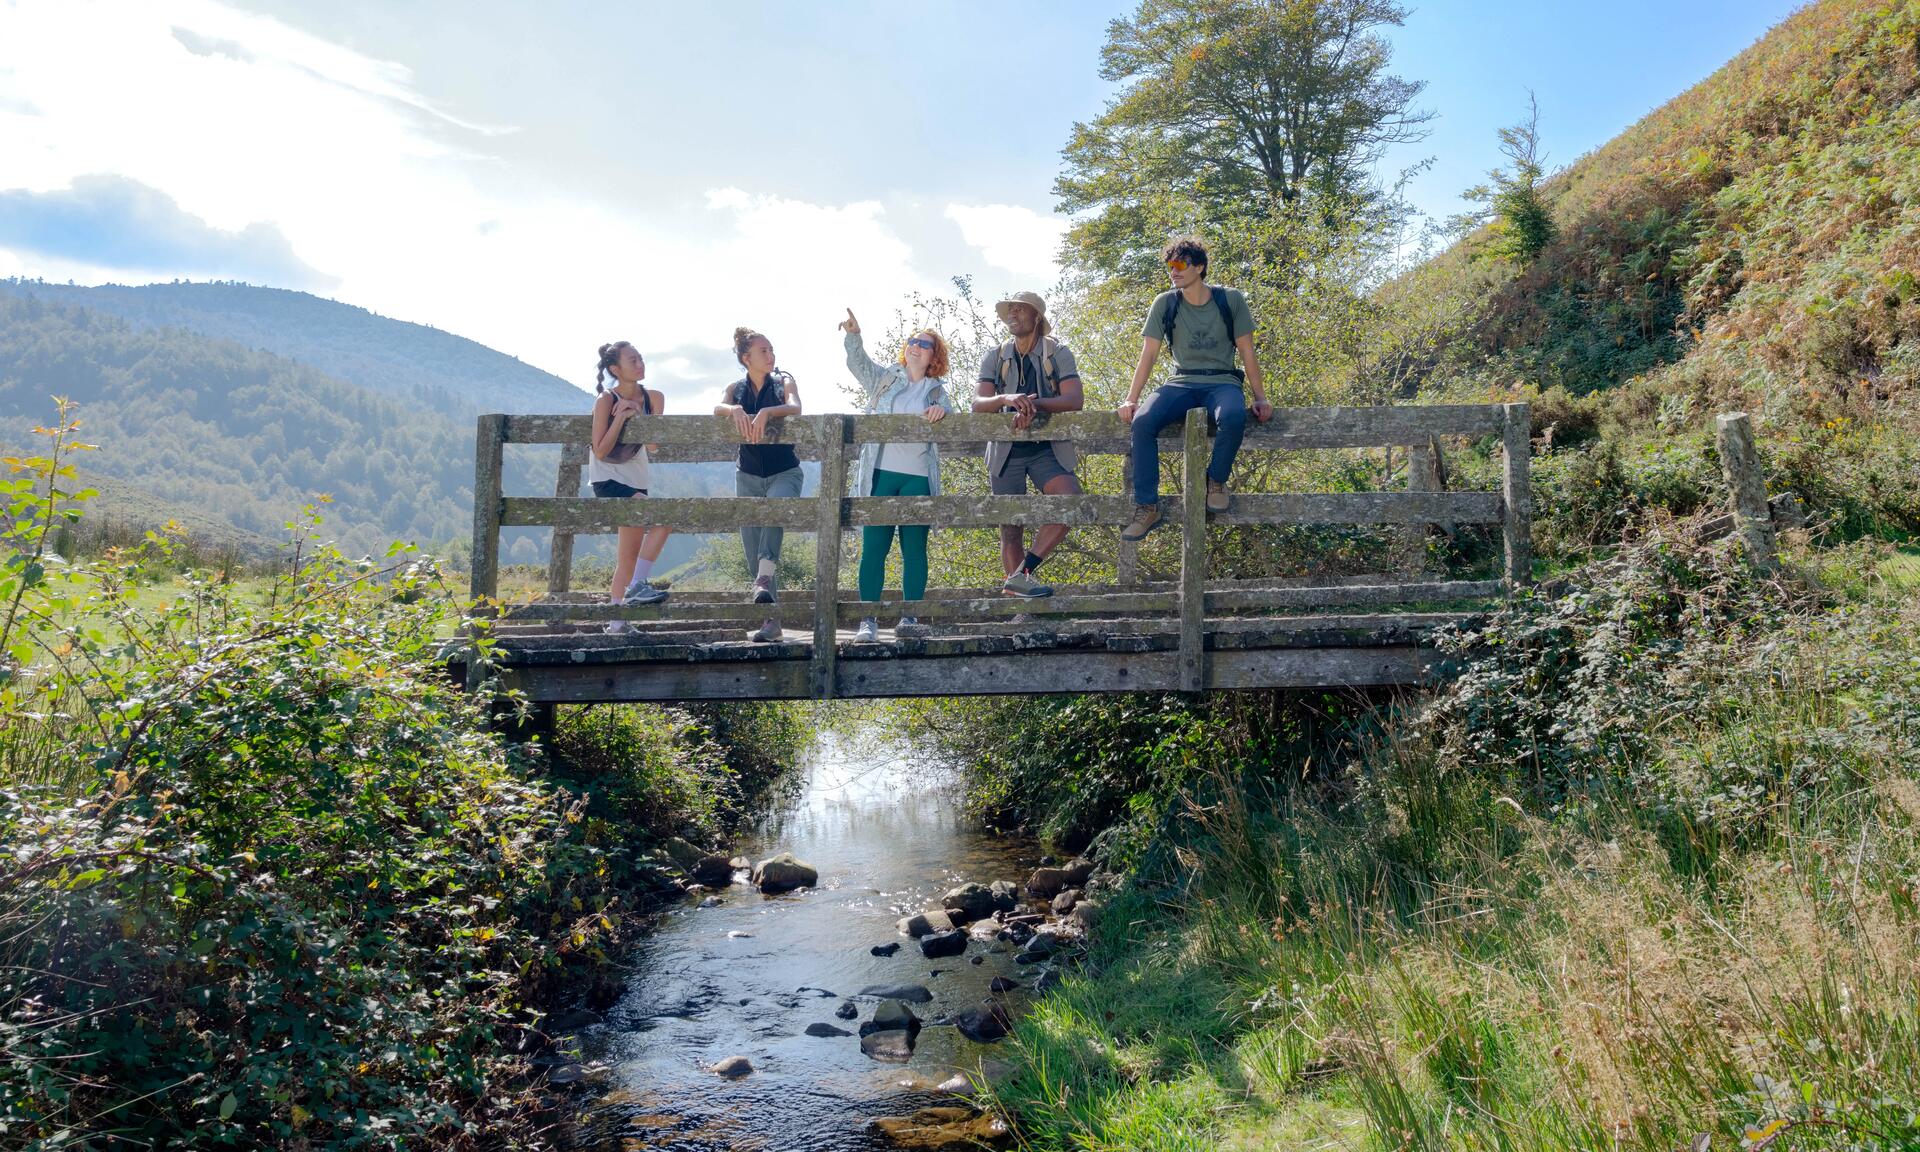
column 490, row 433
column 1126, row 559
column 1516, row 490
column 489, row 438
column 566, row 484
column 826, row 555
column 1193, row 554
column 1740, row 464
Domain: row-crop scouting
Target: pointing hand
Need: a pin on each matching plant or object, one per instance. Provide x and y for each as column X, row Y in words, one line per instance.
column 850, row 326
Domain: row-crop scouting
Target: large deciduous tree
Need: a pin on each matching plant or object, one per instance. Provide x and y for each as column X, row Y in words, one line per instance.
column 1229, row 103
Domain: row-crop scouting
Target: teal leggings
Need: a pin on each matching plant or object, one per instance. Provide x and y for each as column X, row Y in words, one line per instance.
column 876, row 540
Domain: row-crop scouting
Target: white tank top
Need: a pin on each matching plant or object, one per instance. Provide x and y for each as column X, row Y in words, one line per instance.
column 632, row 471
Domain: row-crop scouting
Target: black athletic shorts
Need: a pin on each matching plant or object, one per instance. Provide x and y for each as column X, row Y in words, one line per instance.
column 615, row 488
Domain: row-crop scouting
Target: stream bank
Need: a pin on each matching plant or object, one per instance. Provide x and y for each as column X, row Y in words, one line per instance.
column 757, row 1020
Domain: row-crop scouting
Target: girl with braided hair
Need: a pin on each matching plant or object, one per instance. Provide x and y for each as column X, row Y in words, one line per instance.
column 620, row 471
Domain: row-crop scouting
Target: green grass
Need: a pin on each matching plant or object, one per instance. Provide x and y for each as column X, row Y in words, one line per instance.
column 1692, row 913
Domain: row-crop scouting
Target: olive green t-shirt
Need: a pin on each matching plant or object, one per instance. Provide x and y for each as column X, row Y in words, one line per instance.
column 1202, row 354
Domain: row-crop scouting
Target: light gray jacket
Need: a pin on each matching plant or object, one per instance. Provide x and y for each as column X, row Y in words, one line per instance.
column 880, row 386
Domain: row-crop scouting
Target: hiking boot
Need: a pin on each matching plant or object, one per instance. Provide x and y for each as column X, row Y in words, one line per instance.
column 767, row 633
column 645, row 592
column 868, row 632
column 910, row 626
column 1022, row 583
column 1218, row 499
column 1145, row 518
column 763, row 591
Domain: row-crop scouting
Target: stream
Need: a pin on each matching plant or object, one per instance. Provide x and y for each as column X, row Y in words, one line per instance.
column 747, row 976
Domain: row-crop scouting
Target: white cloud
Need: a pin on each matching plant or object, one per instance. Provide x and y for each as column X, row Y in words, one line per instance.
column 240, row 118
column 1013, row 238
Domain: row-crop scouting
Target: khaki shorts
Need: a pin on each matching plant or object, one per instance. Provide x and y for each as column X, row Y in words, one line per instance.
column 1043, row 466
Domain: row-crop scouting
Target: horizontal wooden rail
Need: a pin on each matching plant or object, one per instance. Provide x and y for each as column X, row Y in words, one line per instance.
column 1093, row 431
column 725, row 513
column 683, row 514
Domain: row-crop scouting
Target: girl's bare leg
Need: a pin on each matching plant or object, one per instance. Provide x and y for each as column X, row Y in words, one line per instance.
column 625, row 553
column 656, row 540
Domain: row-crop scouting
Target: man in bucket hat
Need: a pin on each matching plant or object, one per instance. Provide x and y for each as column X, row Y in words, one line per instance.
column 1033, row 376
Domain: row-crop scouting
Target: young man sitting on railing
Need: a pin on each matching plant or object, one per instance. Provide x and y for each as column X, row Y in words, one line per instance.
column 1203, row 325
column 1032, row 375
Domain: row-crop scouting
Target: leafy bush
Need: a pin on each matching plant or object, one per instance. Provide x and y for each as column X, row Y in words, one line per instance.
column 269, row 879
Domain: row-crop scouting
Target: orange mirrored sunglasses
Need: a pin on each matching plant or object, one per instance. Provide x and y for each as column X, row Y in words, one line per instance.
column 1178, row 265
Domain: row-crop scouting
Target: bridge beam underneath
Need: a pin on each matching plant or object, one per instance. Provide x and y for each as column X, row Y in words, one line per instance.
column 1009, row 674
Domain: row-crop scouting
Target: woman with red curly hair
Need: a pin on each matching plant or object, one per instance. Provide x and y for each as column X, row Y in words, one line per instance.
column 916, row 384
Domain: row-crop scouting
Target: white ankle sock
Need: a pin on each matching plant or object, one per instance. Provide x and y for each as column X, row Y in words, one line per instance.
column 642, row 568
column 768, row 568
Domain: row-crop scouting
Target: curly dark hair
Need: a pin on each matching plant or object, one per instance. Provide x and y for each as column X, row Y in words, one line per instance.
column 1188, row 248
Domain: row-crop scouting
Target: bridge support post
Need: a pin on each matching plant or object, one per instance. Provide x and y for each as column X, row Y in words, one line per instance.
column 1516, row 492
column 1747, row 484
column 489, row 440
column 1193, row 553
column 826, row 556
column 1126, row 559
column 566, row 485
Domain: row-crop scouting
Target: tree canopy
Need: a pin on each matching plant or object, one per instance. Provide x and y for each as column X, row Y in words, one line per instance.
column 1232, row 101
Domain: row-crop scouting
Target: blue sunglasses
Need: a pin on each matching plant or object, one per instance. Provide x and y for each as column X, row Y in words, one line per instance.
column 920, row 342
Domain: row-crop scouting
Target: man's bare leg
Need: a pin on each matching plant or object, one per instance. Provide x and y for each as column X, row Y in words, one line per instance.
column 1049, row 536
column 1013, row 547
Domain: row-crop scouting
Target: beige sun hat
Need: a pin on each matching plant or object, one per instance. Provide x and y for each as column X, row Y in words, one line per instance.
column 1030, row 299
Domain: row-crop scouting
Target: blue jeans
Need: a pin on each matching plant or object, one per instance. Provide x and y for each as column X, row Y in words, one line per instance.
column 1170, row 404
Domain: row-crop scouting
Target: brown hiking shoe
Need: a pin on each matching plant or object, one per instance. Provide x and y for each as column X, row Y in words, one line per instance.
column 1145, row 518
column 1217, row 498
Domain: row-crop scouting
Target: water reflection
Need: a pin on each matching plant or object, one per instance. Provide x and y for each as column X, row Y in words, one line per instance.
column 748, row 976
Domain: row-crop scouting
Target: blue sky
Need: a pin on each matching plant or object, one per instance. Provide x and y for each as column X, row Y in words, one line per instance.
column 544, row 181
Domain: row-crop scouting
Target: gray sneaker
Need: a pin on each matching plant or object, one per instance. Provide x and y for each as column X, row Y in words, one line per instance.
column 762, row 591
column 618, row 627
column 910, row 626
column 868, row 632
column 644, row 592
column 767, row 633
column 1022, row 583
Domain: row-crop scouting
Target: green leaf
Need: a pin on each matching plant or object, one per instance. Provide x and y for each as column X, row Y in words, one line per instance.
column 227, row 1106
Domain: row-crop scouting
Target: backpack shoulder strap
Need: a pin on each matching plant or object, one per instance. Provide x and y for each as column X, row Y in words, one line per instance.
column 1167, row 313
column 1007, row 358
column 1226, row 311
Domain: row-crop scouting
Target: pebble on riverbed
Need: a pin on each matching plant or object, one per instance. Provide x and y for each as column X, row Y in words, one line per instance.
column 733, row 1067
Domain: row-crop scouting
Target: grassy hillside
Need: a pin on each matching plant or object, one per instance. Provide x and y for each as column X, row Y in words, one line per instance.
column 390, row 357
column 1752, row 244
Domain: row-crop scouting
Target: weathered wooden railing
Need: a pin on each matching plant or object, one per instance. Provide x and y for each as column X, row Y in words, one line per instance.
column 833, row 440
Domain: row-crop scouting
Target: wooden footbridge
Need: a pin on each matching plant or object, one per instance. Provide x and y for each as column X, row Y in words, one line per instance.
column 1191, row 634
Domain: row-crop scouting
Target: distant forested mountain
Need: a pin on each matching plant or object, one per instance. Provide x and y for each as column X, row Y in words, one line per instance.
column 211, row 432
column 388, row 357
column 238, row 433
